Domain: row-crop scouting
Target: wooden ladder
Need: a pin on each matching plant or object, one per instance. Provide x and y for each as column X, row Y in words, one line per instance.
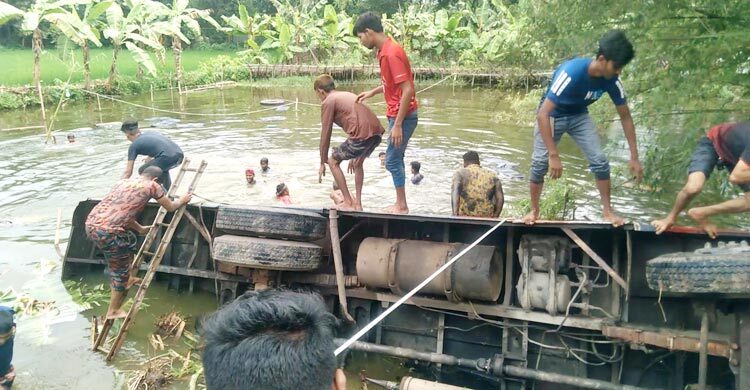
column 156, row 258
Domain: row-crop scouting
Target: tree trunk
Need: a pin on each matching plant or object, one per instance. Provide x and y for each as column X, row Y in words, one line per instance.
column 86, row 67
column 139, row 68
column 36, row 47
column 177, row 49
column 113, row 68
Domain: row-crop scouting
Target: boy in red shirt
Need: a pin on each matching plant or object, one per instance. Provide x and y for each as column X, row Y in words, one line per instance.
column 398, row 88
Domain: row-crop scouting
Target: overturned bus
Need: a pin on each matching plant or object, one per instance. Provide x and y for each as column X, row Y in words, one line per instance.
column 553, row 305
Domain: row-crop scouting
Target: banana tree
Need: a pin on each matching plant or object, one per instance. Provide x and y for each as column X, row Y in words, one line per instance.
column 58, row 17
column 176, row 16
column 90, row 20
column 252, row 27
column 137, row 28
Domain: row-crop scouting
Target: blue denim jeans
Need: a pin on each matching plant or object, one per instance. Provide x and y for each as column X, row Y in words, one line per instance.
column 583, row 131
column 394, row 157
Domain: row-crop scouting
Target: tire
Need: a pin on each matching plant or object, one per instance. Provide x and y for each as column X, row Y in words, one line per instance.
column 265, row 253
column 724, row 270
column 270, row 222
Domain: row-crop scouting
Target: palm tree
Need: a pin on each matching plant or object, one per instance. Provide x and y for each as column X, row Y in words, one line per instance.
column 54, row 13
column 137, row 28
column 178, row 15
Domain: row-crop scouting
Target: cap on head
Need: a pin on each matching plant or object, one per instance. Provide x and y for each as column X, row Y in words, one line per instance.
column 6, row 320
column 129, row 126
column 324, row 82
column 249, row 171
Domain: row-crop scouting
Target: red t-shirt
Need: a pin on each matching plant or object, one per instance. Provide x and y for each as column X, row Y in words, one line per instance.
column 394, row 70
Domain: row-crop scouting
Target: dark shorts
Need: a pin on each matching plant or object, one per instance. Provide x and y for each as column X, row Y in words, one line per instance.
column 705, row 159
column 355, row 149
column 117, row 249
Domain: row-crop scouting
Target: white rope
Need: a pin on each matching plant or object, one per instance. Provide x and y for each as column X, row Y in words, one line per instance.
column 411, row 293
column 184, row 113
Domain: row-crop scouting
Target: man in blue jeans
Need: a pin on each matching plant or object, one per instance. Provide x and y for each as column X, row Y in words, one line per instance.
column 398, row 88
column 576, row 84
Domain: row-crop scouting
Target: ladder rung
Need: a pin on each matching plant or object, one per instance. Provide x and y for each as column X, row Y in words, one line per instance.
column 163, row 224
column 148, row 253
column 190, row 169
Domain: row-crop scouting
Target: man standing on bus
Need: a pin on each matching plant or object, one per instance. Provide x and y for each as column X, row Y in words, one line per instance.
column 563, row 109
column 400, row 97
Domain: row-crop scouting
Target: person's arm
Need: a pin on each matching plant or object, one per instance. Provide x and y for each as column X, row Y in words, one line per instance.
column 629, row 129
column 407, row 93
column 132, row 154
column 128, row 169
column 545, row 130
column 171, row 205
column 456, row 188
column 368, row 94
column 138, row 227
column 327, row 110
column 741, row 173
column 499, row 197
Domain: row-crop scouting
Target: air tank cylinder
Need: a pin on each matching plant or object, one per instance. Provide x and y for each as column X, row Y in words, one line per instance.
column 400, row 265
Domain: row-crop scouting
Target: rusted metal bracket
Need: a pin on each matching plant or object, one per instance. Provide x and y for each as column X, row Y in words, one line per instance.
column 597, row 259
column 673, row 341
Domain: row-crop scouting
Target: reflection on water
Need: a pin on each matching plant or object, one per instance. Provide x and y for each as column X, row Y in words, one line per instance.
column 37, row 179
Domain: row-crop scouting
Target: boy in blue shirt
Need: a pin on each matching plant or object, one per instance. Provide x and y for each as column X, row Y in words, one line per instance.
column 563, row 109
column 7, row 334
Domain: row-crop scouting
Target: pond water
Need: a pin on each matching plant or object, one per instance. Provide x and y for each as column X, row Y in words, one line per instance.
column 38, row 179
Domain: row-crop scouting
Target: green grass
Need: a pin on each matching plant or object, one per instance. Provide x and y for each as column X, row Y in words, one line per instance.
column 57, row 64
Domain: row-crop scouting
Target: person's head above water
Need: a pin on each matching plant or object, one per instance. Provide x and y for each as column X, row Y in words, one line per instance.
column 71, row 138
column 415, row 167
column 271, row 340
column 369, row 29
column 282, row 190
column 615, row 51
column 150, row 172
column 131, row 129
column 264, row 164
column 250, row 176
column 323, row 85
column 381, row 156
column 471, row 157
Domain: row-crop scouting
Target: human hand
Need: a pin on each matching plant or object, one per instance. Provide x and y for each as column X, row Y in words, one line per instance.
column 185, row 199
column 321, row 172
column 354, row 164
column 636, row 169
column 555, row 166
column 397, row 135
column 364, row 95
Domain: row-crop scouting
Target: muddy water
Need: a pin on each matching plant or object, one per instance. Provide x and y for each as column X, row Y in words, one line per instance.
column 37, row 180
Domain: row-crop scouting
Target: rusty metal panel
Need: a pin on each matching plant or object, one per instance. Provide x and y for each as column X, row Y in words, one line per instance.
column 671, row 340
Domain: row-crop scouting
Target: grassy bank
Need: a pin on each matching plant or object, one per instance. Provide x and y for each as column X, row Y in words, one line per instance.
column 57, row 64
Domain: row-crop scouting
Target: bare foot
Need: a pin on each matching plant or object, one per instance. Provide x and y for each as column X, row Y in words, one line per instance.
column 697, row 215
column 132, row 281
column 345, row 207
column 613, row 218
column 531, row 217
column 117, row 314
column 662, row 225
column 396, row 209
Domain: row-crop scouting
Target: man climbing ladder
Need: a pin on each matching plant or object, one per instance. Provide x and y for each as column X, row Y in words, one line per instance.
column 126, row 268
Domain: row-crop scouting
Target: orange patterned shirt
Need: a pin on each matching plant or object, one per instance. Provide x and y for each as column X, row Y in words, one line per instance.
column 123, row 204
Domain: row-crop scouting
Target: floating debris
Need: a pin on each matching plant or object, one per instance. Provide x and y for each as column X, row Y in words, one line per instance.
column 170, row 325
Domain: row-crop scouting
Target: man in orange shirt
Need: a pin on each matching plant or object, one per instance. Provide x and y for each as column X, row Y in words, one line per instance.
column 400, row 97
